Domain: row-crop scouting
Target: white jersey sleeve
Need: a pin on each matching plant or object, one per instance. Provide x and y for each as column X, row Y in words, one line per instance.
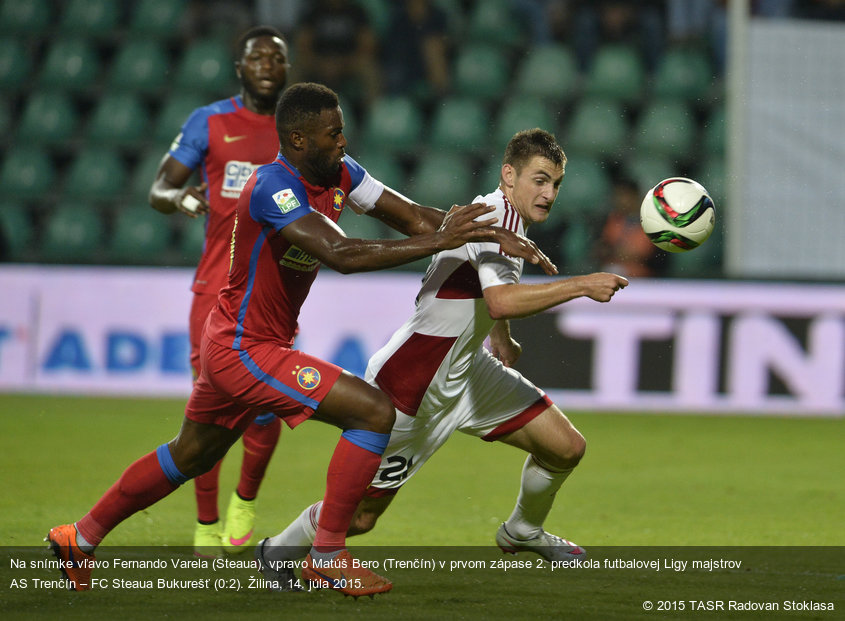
column 494, row 267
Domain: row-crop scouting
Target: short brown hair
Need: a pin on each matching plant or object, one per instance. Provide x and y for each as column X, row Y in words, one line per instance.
column 530, row 142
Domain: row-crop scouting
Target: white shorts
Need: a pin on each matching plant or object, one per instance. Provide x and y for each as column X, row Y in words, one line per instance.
column 494, row 402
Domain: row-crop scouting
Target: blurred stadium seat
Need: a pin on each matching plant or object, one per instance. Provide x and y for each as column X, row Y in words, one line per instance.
column 481, row 70
column 683, row 73
column 157, row 18
column 143, row 173
column 95, row 174
column 383, row 167
column 495, row 21
column 140, row 65
column 393, row 123
column 597, row 127
column 73, row 232
column 48, row 117
column 548, row 71
column 616, row 72
column 665, row 128
column 520, row 113
column 71, row 63
column 16, row 222
column 206, row 65
column 93, row 18
column 576, row 244
column 15, row 64
column 460, row 124
column 26, row 173
column 118, row 119
column 442, row 180
column 585, row 188
column 177, row 107
column 141, row 235
column 191, row 240
column 22, row 17
column 647, row 171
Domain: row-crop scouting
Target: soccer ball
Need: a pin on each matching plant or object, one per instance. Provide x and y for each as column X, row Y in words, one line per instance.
column 677, row 214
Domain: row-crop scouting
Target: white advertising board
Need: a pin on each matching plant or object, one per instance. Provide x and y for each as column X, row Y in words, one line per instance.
column 660, row 345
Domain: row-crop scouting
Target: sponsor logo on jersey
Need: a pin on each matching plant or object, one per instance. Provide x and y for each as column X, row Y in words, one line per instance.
column 307, row 377
column 286, row 200
column 337, row 201
column 235, row 176
column 297, row 259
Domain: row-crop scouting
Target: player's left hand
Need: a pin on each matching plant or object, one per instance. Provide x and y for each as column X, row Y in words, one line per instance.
column 506, row 350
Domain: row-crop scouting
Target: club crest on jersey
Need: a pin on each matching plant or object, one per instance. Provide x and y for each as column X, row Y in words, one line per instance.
column 337, row 201
column 286, row 200
column 307, row 377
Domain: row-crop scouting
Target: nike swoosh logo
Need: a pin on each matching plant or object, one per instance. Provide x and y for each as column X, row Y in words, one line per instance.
column 241, row 541
column 228, row 138
column 337, row 583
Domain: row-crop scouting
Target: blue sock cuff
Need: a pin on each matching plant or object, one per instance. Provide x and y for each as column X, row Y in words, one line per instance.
column 165, row 460
column 367, row 440
column 264, row 419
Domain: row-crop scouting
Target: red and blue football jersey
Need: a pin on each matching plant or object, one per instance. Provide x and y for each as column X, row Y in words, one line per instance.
column 269, row 278
column 227, row 143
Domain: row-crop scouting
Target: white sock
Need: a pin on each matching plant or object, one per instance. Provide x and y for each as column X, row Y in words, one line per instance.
column 83, row 544
column 536, row 494
column 295, row 541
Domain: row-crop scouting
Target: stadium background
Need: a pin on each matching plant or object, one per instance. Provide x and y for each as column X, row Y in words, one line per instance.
column 95, row 90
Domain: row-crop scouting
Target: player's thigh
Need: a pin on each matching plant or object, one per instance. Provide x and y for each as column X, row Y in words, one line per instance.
column 201, row 306
column 551, row 437
column 352, row 403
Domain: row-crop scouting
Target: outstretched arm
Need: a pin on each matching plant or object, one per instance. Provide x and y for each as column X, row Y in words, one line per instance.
column 325, row 241
column 521, row 300
column 410, row 218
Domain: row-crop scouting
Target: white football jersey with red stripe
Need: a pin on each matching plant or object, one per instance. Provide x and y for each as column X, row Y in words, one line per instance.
column 423, row 366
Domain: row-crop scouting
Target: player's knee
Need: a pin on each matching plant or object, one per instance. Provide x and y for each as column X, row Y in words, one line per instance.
column 569, row 454
column 382, row 415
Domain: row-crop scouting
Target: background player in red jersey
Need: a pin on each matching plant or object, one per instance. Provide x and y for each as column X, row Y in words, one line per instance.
column 226, row 140
column 441, row 379
column 285, row 228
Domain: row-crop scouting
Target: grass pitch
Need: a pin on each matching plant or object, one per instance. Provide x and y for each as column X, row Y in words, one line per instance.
column 651, row 488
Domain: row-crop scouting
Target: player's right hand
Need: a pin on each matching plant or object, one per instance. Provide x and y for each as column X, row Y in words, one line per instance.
column 602, row 285
column 460, row 225
column 191, row 200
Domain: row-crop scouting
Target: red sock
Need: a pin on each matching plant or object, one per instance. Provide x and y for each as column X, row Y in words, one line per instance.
column 351, row 471
column 259, row 444
column 205, row 489
column 141, row 485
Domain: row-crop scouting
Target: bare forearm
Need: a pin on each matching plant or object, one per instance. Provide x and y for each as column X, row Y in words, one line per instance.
column 365, row 255
column 519, row 300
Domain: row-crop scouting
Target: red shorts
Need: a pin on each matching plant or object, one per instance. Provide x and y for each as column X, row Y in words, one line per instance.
column 200, row 308
column 236, row 386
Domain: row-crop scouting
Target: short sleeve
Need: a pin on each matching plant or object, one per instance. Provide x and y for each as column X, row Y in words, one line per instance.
column 191, row 145
column 494, row 268
column 278, row 200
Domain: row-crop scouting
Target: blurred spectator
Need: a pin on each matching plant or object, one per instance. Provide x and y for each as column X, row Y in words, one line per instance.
column 336, row 45
column 636, row 22
column 416, row 60
column 623, row 247
column 283, row 15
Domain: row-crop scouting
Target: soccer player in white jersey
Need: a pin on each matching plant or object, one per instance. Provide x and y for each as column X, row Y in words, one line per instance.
column 441, row 379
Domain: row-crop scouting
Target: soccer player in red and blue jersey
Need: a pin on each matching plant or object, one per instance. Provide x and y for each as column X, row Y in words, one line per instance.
column 226, row 141
column 284, row 230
